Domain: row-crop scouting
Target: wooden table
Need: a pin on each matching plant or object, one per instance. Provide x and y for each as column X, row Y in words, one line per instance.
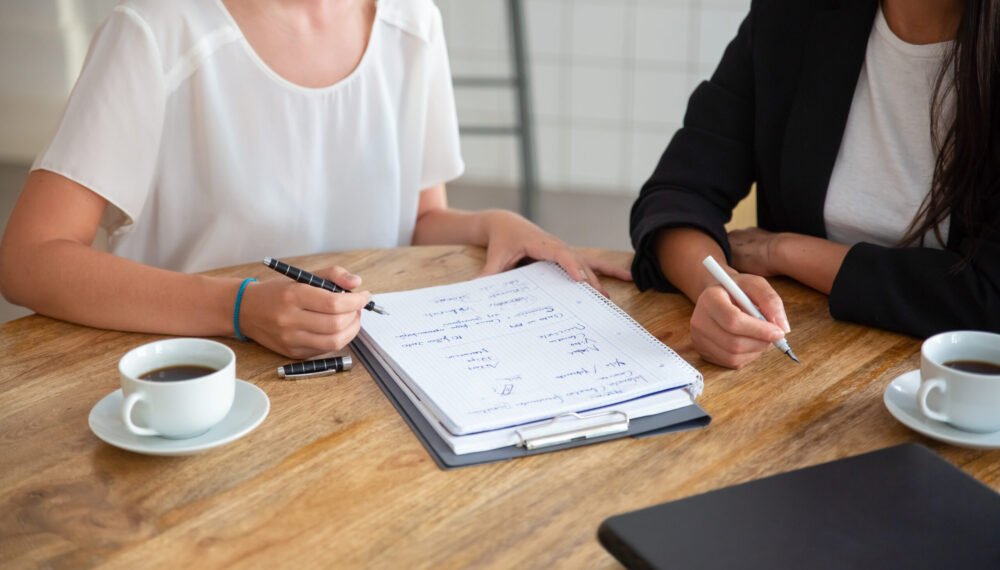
column 335, row 478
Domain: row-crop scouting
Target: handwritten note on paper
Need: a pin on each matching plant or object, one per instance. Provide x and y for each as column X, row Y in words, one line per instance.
column 517, row 347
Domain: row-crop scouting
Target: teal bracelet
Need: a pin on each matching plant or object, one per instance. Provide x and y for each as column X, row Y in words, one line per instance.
column 236, row 309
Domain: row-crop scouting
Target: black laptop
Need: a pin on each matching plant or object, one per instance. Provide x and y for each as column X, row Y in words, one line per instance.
column 900, row 507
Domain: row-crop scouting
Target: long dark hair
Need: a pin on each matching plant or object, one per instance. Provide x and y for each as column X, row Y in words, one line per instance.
column 967, row 168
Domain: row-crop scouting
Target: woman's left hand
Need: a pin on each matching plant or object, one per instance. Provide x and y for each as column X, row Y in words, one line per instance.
column 512, row 238
column 753, row 251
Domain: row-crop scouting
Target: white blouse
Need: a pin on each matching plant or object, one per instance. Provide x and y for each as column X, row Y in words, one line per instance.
column 207, row 157
column 886, row 160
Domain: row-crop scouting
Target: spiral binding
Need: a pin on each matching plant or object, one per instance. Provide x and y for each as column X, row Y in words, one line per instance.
column 696, row 387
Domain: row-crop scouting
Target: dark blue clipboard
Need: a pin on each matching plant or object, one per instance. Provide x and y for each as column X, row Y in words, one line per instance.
column 688, row 417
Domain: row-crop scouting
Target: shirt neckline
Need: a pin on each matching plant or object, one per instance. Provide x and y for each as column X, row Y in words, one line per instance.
column 268, row 70
column 927, row 51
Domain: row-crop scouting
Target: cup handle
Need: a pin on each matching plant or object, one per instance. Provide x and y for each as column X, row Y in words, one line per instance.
column 130, row 403
column 925, row 389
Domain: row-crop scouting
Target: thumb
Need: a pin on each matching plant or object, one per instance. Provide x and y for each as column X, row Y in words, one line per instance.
column 495, row 262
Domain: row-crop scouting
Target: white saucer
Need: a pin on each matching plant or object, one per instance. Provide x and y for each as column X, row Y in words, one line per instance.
column 250, row 407
column 901, row 399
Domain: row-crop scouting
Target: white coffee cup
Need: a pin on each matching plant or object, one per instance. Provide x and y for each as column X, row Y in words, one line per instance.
column 967, row 400
column 177, row 409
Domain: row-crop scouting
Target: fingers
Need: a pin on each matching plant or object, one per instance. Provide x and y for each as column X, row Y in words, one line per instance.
column 497, row 261
column 731, row 342
column 712, row 352
column 327, row 324
column 574, row 267
column 733, row 320
column 766, row 299
column 299, row 320
column 610, row 268
column 340, row 276
column 323, row 301
column 501, row 257
column 302, row 344
column 577, row 268
column 722, row 333
column 594, row 281
column 553, row 249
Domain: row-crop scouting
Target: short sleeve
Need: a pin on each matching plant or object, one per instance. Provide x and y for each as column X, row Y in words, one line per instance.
column 442, row 160
column 109, row 136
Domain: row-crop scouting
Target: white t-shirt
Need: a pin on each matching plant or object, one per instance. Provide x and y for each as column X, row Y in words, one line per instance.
column 209, row 158
column 886, row 160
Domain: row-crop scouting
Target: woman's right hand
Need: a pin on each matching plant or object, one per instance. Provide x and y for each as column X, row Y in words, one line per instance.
column 725, row 335
column 301, row 321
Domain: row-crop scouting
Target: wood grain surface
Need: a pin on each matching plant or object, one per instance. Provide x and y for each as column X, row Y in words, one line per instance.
column 335, row 478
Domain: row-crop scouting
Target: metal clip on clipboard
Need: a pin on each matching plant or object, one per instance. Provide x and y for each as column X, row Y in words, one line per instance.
column 530, row 438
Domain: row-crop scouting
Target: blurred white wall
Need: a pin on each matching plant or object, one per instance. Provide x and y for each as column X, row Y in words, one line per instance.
column 42, row 46
column 611, row 79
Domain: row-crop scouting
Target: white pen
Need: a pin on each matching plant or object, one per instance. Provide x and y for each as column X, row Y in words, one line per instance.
column 742, row 300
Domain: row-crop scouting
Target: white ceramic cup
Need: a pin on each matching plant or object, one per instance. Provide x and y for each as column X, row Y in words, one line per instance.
column 966, row 400
column 177, row 409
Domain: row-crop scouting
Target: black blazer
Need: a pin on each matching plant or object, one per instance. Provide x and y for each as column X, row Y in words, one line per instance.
column 774, row 113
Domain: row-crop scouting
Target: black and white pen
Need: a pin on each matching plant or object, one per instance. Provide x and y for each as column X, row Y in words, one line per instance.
column 314, row 368
column 742, row 300
column 307, row 278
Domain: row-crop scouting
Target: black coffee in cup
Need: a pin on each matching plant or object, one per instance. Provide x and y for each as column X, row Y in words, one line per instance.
column 177, row 372
column 974, row 366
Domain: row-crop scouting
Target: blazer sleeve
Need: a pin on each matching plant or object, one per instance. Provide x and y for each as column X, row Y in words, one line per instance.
column 708, row 166
column 921, row 291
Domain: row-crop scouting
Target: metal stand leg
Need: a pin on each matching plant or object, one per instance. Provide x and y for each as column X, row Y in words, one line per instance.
column 529, row 187
column 523, row 129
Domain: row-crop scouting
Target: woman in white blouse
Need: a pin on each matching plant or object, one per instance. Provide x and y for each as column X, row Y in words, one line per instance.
column 204, row 133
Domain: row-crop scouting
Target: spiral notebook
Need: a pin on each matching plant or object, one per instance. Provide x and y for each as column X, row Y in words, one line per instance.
column 488, row 359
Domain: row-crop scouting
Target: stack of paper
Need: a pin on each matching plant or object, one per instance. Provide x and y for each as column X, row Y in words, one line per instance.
column 486, row 359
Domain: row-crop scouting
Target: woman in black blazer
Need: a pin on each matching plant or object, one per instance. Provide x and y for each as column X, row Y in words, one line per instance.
column 774, row 113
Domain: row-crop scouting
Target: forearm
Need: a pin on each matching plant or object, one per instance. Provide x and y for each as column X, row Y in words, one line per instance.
column 73, row 282
column 809, row 260
column 681, row 251
column 447, row 226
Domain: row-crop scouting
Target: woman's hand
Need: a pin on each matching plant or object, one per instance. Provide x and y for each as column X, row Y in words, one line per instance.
column 724, row 334
column 508, row 239
column 809, row 260
column 301, row 321
column 511, row 238
column 754, row 251
column 720, row 330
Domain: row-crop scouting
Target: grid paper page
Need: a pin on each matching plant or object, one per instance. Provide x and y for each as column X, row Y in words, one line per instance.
column 517, row 347
column 495, row 439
